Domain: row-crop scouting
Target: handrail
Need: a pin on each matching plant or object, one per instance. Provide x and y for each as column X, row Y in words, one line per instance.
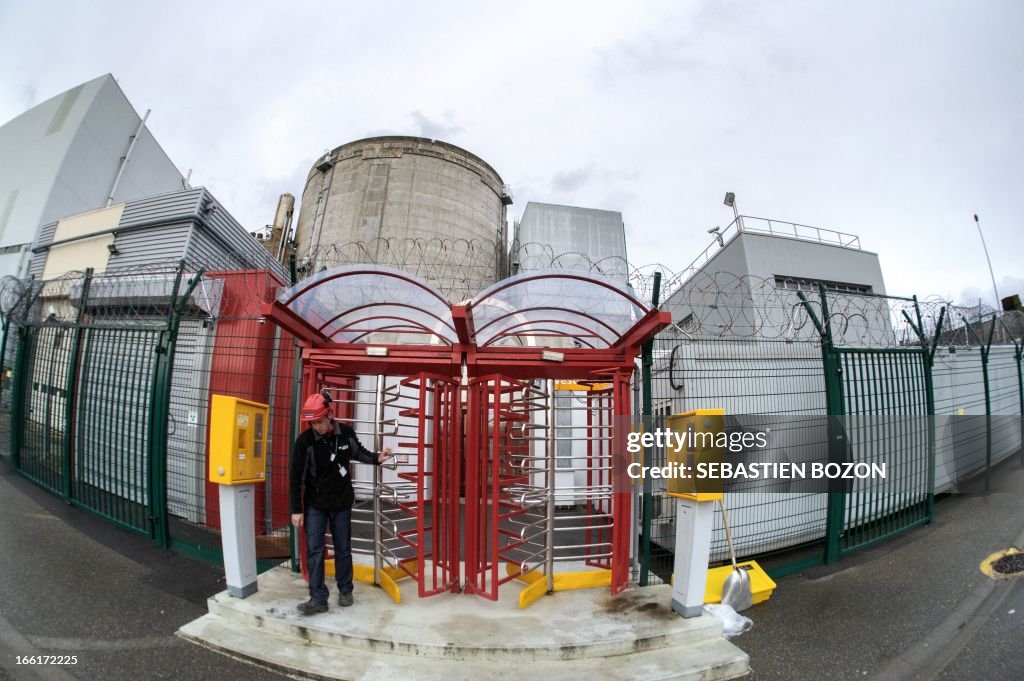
column 793, row 230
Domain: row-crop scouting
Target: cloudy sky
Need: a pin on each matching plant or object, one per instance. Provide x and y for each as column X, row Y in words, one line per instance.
column 894, row 121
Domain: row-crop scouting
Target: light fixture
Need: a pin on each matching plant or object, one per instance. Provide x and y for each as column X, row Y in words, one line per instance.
column 113, row 249
column 730, row 200
column 552, row 356
column 377, row 351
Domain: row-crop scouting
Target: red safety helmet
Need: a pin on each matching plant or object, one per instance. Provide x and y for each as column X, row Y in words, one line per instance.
column 317, row 406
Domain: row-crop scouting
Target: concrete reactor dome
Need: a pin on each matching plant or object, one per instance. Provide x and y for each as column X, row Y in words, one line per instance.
column 424, row 206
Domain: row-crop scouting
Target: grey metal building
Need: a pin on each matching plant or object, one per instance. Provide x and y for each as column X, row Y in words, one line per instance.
column 569, row 237
column 80, row 150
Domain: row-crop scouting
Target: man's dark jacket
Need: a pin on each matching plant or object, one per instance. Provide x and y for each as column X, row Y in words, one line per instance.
column 311, row 469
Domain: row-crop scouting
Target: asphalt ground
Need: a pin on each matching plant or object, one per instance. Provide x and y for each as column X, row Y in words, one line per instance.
column 72, row 584
column 914, row 607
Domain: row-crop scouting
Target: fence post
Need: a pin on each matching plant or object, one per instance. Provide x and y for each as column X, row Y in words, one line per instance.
column 71, row 385
column 928, row 356
column 834, row 409
column 646, row 362
column 1017, row 355
column 988, row 404
column 160, row 398
column 18, row 395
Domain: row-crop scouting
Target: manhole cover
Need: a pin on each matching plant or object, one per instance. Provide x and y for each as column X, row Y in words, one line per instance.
column 1004, row 564
column 1009, row 565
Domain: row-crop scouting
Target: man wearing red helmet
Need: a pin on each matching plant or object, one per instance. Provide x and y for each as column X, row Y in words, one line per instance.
column 321, row 496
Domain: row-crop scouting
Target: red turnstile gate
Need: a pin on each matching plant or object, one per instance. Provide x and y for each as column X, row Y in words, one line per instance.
column 419, row 514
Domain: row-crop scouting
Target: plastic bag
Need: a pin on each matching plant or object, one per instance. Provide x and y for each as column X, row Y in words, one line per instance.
column 733, row 623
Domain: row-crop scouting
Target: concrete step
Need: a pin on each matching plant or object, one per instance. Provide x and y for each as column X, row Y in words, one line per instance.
column 565, row 635
column 708, row 660
column 566, row 625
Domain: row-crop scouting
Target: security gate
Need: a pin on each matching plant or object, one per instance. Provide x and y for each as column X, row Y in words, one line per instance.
column 506, row 503
column 418, row 515
column 475, row 419
column 884, row 403
column 880, row 405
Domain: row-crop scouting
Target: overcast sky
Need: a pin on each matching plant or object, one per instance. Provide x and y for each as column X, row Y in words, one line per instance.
column 894, row 121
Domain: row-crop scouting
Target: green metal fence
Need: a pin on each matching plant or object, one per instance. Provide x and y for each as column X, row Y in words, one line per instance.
column 898, row 386
column 110, row 396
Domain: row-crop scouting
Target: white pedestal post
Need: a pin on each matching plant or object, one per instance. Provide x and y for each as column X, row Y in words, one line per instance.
column 238, row 538
column 693, row 549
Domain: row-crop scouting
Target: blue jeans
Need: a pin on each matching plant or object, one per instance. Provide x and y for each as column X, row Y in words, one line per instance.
column 316, row 523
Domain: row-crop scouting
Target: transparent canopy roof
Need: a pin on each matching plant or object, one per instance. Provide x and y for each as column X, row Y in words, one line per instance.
column 347, row 304
column 532, row 307
column 540, row 308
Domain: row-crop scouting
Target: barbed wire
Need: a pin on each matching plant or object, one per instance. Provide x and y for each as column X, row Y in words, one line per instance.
column 703, row 304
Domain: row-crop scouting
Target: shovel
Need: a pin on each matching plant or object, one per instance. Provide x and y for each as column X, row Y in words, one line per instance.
column 736, row 591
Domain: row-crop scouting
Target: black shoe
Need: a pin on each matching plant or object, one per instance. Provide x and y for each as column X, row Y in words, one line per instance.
column 345, row 600
column 311, row 607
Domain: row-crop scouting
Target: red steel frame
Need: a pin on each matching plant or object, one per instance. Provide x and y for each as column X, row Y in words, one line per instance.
column 493, row 372
column 437, row 566
column 492, row 400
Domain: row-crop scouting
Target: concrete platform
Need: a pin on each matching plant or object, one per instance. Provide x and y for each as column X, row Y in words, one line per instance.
column 566, row 635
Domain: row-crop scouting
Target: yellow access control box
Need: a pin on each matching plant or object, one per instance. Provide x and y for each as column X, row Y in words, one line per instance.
column 238, row 440
column 699, row 437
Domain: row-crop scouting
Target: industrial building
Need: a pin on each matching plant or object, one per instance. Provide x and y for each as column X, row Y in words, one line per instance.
column 568, row 237
column 81, row 150
column 425, row 206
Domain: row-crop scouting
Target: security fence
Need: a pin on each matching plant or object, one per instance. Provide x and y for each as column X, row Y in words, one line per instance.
column 913, row 385
column 111, row 376
column 110, row 394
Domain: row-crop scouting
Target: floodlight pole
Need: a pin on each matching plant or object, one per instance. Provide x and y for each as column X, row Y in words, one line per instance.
column 988, row 260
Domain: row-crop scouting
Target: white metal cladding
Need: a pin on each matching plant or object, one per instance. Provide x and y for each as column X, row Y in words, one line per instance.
column 162, row 206
column 38, row 264
column 187, row 419
column 113, row 408
column 206, row 236
column 161, row 244
column 570, row 237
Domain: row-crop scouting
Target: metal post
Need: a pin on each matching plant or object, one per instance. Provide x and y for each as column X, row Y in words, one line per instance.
column 646, row 363
column 160, row 407
column 18, row 395
column 988, row 405
column 268, row 487
column 835, row 410
column 1018, row 355
column 378, row 440
column 126, row 157
column 71, row 384
column 549, row 541
column 929, row 346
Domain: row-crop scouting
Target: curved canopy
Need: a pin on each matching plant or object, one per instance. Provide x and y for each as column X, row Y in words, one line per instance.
column 546, row 308
column 348, row 304
column 533, row 307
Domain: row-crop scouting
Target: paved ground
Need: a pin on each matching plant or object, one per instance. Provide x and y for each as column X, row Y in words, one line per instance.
column 71, row 584
column 914, row 607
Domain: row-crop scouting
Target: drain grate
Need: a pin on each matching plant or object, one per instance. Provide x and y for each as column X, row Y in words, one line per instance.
column 1012, row 564
column 1004, row 564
